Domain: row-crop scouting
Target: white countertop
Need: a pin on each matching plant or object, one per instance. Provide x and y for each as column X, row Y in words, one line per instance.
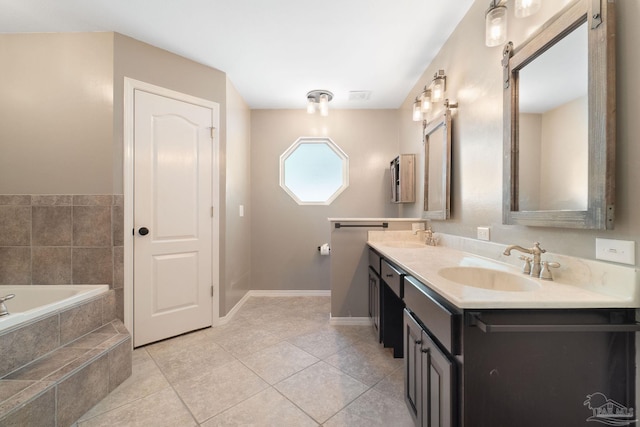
column 577, row 284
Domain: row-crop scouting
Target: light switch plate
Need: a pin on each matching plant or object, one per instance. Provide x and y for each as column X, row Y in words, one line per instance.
column 483, row 233
column 622, row 251
column 241, row 210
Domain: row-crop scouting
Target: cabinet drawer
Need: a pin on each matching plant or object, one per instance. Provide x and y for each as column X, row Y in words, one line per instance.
column 374, row 260
column 441, row 322
column 392, row 277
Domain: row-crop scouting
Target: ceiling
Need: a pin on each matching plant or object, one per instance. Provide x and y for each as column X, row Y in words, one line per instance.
column 273, row 51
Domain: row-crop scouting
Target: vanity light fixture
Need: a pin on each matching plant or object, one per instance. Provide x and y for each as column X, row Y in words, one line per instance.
column 425, row 100
column 417, row 110
column 319, row 99
column 432, row 93
column 496, row 19
column 495, row 30
column 438, row 86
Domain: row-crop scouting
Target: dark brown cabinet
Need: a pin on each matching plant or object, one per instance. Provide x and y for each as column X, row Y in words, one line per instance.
column 507, row 367
column 431, row 388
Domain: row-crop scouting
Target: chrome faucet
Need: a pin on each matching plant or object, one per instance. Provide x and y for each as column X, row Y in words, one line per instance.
column 3, row 308
column 428, row 234
column 536, row 251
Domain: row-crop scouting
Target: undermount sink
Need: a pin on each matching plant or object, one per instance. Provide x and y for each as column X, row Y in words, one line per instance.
column 403, row 244
column 486, row 278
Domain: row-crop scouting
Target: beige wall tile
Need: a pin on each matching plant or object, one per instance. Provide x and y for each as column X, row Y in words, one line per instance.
column 92, row 265
column 15, row 268
column 92, row 226
column 51, row 226
column 51, row 265
column 15, row 225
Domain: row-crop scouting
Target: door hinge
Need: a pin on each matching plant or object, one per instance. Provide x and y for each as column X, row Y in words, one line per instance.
column 211, row 290
column 213, row 132
column 211, row 211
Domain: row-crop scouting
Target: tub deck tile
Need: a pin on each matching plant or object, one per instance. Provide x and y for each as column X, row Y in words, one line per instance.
column 21, row 393
column 47, row 365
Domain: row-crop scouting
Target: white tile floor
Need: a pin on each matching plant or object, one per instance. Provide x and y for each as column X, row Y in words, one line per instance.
column 278, row 362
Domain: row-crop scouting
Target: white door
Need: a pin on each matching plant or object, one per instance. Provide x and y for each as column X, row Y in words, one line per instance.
column 172, row 217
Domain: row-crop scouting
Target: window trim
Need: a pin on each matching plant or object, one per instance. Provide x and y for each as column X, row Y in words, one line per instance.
column 315, row 140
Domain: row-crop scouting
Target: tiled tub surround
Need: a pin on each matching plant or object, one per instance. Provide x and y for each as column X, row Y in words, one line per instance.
column 577, row 283
column 62, row 239
column 56, row 367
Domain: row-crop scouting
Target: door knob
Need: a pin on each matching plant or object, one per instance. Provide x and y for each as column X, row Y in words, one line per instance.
column 143, row 231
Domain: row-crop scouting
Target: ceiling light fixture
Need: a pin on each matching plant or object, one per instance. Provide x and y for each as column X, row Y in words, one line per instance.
column 496, row 19
column 319, row 99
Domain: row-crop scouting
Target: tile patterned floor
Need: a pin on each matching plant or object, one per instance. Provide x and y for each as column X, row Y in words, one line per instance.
column 278, row 362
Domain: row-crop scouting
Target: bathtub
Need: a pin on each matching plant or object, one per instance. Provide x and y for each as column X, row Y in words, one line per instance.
column 35, row 301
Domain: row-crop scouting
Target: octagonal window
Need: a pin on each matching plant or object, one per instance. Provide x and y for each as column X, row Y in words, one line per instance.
column 314, row 171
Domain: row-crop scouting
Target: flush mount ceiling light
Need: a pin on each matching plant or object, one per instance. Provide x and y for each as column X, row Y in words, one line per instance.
column 319, row 99
column 496, row 18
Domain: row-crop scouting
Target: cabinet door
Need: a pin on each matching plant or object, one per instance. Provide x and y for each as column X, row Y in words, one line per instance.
column 374, row 302
column 437, row 395
column 413, row 367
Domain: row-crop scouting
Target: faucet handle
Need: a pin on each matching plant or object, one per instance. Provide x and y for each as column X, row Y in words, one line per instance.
column 526, row 267
column 537, row 248
column 545, row 273
column 6, row 297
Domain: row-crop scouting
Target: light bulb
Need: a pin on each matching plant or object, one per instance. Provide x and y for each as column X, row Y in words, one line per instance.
column 425, row 100
column 437, row 89
column 311, row 105
column 496, row 26
column 324, row 104
column 417, row 113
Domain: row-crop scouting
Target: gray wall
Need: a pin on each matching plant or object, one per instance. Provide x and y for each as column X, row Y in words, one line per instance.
column 56, row 113
column 61, row 106
column 474, row 81
column 237, row 165
column 285, row 235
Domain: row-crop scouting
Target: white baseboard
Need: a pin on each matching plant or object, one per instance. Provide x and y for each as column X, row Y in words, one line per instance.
column 269, row 293
column 287, row 293
column 350, row 321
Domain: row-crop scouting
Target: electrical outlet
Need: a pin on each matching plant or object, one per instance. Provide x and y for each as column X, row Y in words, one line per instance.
column 241, row 210
column 483, row 233
column 623, row 251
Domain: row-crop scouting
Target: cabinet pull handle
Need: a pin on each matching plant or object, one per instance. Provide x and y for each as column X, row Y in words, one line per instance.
column 488, row 328
column 418, row 341
column 389, row 275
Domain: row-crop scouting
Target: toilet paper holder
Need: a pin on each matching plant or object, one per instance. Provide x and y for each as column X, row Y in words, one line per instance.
column 325, row 244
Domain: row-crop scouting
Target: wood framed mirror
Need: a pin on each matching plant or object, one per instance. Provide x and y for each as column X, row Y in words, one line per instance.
column 437, row 167
column 559, row 121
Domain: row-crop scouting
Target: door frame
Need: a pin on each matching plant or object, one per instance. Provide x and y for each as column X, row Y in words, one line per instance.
column 130, row 86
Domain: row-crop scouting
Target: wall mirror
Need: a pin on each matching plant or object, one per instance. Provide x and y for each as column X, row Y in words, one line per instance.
column 559, row 121
column 437, row 167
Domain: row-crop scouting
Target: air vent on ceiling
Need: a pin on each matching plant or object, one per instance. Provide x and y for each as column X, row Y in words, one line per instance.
column 359, row 95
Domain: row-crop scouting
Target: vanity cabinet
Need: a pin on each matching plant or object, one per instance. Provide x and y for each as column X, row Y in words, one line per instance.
column 431, row 334
column 392, row 306
column 508, row 367
column 385, row 302
column 403, row 179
